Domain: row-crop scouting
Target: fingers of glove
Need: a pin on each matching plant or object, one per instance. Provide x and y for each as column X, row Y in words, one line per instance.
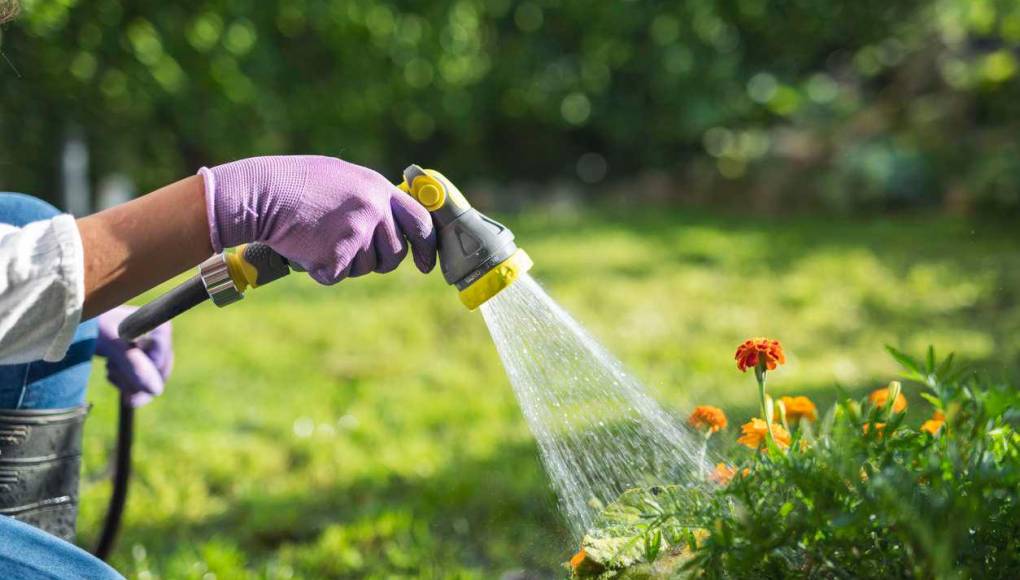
column 139, row 399
column 332, row 271
column 116, row 377
column 415, row 224
column 108, row 346
column 364, row 262
column 139, row 374
column 158, row 346
column 134, row 398
column 390, row 247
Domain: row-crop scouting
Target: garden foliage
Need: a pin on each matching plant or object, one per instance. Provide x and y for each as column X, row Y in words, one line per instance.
column 858, row 493
column 835, row 104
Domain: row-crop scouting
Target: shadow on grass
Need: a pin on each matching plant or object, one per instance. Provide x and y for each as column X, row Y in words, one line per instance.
column 485, row 515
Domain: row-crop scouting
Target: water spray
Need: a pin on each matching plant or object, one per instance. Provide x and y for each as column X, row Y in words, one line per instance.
column 598, row 430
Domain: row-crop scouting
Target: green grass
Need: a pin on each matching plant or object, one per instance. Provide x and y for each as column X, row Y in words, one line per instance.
column 368, row 430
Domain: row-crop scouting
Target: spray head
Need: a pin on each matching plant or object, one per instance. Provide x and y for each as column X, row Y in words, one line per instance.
column 476, row 254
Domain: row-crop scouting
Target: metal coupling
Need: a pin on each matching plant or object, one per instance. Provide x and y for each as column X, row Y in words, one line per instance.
column 215, row 275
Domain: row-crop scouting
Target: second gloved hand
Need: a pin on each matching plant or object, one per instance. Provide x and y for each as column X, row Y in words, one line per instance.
column 139, row 369
column 333, row 218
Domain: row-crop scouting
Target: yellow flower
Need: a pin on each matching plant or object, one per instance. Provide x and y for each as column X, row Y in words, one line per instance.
column 708, row 417
column 754, row 432
column 935, row 423
column 767, row 351
column 879, row 398
column 798, row 407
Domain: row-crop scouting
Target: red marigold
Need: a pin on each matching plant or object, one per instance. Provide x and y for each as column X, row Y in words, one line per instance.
column 707, row 417
column 762, row 350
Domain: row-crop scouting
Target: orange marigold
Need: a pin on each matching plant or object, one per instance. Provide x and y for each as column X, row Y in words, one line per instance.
column 938, row 419
column 754, row 432
column 723, row 474
column 879, row 398
column 760, row 350
column 879, row 428
column 797, row 407
column 584, row 566
column 707, row 417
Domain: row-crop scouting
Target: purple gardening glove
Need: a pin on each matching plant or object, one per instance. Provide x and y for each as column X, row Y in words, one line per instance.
column 138, row 369
column 333, row 218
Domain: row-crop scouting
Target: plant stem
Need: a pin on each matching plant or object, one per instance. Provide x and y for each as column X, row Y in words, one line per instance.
column 704, row 453
column 759, row 374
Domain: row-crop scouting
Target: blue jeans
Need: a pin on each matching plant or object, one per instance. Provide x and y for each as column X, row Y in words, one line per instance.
column 26, row 552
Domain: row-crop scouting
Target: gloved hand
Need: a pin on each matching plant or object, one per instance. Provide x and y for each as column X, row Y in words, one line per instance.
column 138, row 370
column 333, row 218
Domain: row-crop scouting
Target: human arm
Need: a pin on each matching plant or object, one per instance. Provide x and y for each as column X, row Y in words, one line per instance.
column 333, row 218
column 137, row 245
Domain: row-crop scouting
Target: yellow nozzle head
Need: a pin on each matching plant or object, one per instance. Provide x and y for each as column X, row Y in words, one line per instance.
column 496, row 279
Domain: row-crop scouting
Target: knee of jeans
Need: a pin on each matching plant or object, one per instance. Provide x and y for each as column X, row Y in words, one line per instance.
column 18, row 209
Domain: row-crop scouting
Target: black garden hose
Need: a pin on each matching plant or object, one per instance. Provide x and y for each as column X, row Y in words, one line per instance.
column 259, row 258
column 121, row 479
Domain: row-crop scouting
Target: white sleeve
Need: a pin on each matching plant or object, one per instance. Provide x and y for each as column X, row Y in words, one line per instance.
column 42, row 289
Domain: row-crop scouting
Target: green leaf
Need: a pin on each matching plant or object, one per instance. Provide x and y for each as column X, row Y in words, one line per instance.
column 935, row 401
column 653, row 545
column 785, row 509
column 946, row 366
column 915, row 373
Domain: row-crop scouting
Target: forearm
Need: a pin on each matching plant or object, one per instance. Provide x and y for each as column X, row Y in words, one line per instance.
column 133, row 247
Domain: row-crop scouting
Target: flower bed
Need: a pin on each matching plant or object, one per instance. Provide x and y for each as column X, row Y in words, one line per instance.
column 855, row 492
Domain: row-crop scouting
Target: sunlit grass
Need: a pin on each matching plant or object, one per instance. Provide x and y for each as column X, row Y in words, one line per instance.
column 368, row 429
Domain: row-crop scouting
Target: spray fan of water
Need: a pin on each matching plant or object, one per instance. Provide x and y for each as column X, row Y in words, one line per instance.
column 598, row 430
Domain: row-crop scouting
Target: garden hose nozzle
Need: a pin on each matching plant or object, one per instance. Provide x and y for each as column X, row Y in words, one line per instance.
column 477, row 254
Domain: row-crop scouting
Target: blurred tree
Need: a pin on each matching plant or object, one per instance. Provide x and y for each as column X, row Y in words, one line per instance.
column 841, row 104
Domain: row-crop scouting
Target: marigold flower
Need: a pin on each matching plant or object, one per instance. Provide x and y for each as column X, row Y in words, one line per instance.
column 759, row 350
column 798, row 407
column 707, row 417
column 584, row 565
column 755, row 431
column 578, row 558
column 879, row 427
column 722, row 473
column 938, row 419
column 879, row 398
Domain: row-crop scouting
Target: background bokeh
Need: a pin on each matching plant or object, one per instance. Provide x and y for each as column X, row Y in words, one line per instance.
column 839, row 175
column 837, row 105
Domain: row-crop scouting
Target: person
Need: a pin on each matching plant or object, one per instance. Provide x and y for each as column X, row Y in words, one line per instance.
column 63, row 282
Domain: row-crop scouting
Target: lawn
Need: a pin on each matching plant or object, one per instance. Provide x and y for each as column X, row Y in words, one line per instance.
column 368, row 430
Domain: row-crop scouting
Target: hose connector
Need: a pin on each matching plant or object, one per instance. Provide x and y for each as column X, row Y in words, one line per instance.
column 215, row 276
